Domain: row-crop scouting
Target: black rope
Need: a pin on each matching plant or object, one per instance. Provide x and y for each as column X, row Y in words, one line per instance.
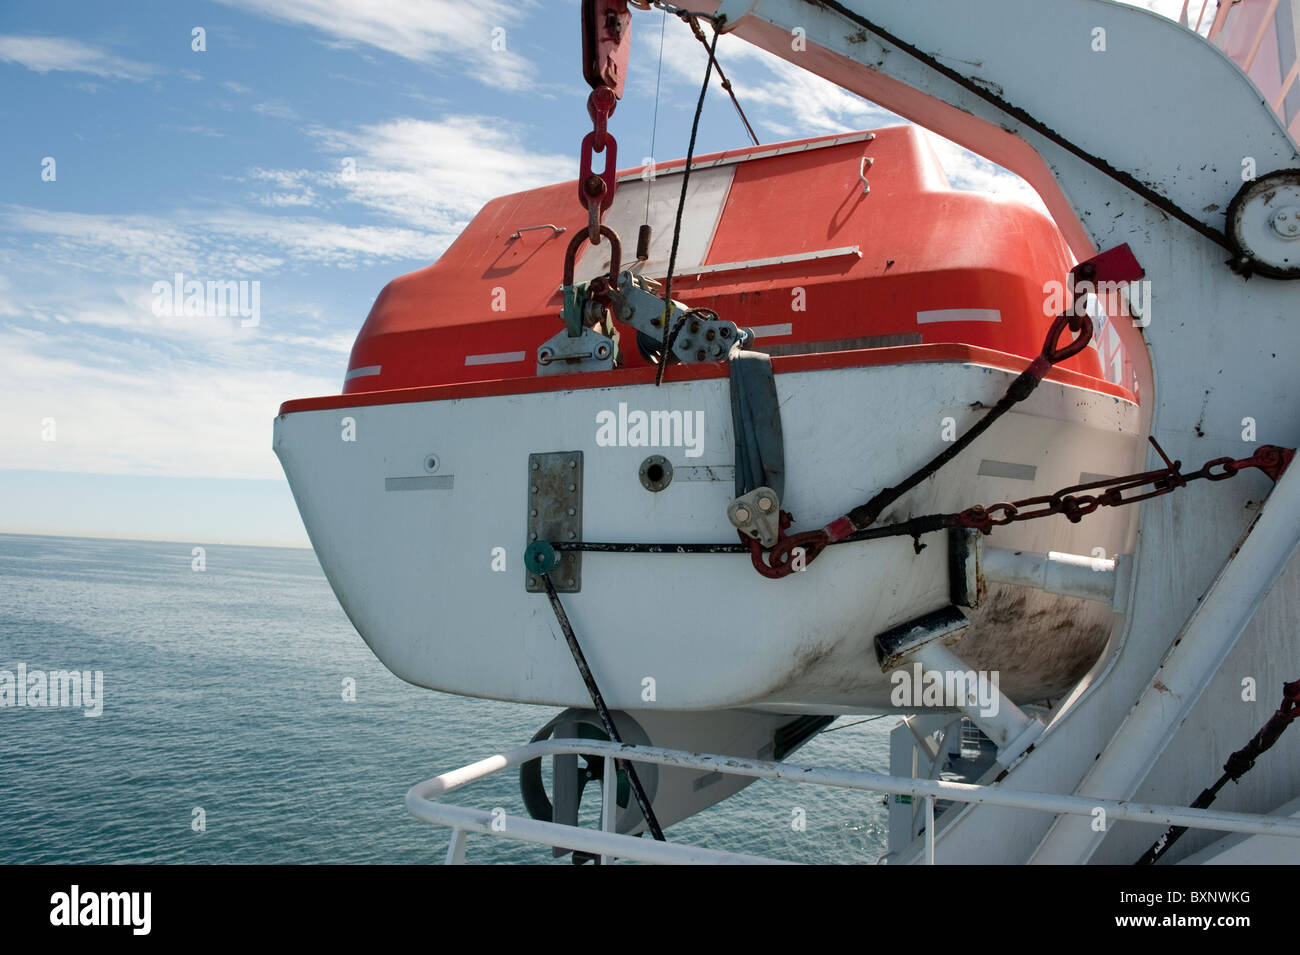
column 1125, row 179
column 1020, row 389
column 914, row 528
column 681, row 207
column 601, row 709
column 869, row 719
column 1238, row 764
column 722, row 77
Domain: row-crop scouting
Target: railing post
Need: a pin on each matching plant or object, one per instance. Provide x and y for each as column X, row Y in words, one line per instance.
column 456, row 848
column 609, row 802
column 929, row 830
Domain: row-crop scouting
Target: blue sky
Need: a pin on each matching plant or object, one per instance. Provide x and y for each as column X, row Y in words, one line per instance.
column 318, row 147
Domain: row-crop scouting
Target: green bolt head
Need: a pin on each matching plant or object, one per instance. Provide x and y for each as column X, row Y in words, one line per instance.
column 541, row 558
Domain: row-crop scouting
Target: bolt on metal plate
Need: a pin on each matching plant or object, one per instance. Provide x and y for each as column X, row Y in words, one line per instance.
column 555, row 515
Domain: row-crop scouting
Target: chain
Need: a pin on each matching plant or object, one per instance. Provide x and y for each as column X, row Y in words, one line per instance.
column 1070, row 501
column 596, row 190
column 780, row 559
column 1076, row 503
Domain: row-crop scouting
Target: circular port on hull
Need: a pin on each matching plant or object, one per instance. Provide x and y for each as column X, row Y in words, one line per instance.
column 656, row 473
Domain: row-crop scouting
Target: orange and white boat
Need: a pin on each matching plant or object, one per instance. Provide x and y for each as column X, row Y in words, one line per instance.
column 895, row 309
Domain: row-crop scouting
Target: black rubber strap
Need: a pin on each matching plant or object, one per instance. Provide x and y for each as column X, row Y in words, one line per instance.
column 756, row 419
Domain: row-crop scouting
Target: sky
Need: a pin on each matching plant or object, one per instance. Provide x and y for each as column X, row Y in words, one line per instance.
column 318, row 148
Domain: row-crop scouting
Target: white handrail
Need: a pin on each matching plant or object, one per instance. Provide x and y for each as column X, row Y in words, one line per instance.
column 420, row 802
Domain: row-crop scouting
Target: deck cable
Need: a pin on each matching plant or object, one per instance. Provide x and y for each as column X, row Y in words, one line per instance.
column 642, row 800
column 669, row 337
column 1238, row 764
column 722, row 77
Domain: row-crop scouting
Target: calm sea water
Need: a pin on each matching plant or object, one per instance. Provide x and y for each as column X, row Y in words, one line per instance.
column 223, row 691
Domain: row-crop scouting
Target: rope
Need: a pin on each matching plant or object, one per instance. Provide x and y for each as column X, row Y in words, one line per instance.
column 726, row 83
column 681, row 207
column 654, row 123
column 602, row 710
column 1238, row 764
column 1123, row 178
column 870, row 719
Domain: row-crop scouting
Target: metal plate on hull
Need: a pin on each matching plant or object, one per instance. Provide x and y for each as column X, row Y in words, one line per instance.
column 555, row 514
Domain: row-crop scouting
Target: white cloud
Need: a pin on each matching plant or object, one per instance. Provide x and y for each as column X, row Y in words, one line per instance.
column 791, row 103
column 134, row 392
column 276, row 109
column 42, row 54
column 437, row 175
column 775, row 94
column 141, row 412
column 425, row 31
column 974, row 173
column 222, row 244
column 279, row 200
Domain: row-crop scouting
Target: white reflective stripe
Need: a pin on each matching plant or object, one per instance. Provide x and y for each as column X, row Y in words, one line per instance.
column 500, row 358
column 959, row 315
column 772, row 331
column 435, row 482
column 852, row 250
column 756, row 154
column 364, row 372
column 1007, row 469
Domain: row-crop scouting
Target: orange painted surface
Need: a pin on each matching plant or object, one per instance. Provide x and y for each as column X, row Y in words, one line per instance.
column 924, row 247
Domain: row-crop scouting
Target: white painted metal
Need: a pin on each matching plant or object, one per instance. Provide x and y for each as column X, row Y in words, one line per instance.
column 1242, row 849
column 414, row 570
column 422, row 802
column 1009, row 727
column 456, row 848
column 731, row 12
column 929, row 830
column 1088, row 578
column 608, row 802
column 1198, row 653
column 1140, row 106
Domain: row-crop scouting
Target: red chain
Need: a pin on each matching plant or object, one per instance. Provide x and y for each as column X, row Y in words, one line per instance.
column 596, row 190
column 1075, row 503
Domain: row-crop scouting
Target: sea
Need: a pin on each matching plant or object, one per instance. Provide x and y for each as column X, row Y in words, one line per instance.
column 244, row 720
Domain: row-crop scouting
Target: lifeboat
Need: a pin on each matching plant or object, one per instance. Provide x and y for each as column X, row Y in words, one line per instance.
column 480, row 414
